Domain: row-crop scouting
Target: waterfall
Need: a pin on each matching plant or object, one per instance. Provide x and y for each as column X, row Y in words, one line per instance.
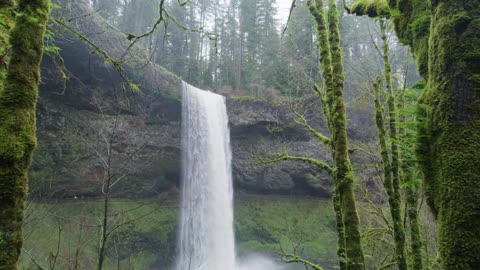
column 206, row 239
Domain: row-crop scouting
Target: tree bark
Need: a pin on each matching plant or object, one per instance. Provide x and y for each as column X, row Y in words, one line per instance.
column 17, row 123
column 393, row 186
column 450, row 130
column 349, row 250
column 444, row 36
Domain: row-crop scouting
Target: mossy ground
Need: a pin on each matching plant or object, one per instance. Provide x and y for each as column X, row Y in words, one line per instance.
column 263, row 224
column 269, row 224
column 139, row 244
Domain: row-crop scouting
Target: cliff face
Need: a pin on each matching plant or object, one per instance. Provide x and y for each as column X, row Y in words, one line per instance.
column 259, row 128
column 89, row 129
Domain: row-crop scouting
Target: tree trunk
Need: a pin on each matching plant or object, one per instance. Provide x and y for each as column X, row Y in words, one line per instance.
column 450, row 131
column 8, row 20
column 387, row 174
column 351, row 253
column 344, row 171
column 393, row 187
column 409, row 174
column 18, row 99
column 413, row 221
column 444, row 36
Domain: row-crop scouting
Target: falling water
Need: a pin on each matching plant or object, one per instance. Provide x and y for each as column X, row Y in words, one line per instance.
column 206, row 232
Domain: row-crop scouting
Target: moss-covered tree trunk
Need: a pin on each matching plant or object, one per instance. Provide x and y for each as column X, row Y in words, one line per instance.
column 393, row 202
column 317, row 10
column 393, row 185
column 350, row 250
column 413, row 218
column 449, row 130
column 450, row 134
column 444, row 36
column 17, row 123
column 409, row 171
column 7, row 22
column 343, row 168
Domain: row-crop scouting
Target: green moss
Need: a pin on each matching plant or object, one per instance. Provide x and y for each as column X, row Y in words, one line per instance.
column 349, row 250
column 393, row 201
column 412, row 26
column 394, row 197
column 139, row 245
column 372, row 8
column 17, row 123
column 316, row 8
column 343, row 169
column 450, row 131
column 266, row 225
column 263, row 224
column 444, row 37
column 7, row 22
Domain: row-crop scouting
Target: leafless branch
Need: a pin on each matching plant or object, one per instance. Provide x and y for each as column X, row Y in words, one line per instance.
column 289, row 16
column 34, row 261
column 293, row 258
column 279, row 157
column 301, row 120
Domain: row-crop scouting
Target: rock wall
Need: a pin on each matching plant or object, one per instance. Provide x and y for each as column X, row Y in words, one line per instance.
column 90, row 126
column 92, row 129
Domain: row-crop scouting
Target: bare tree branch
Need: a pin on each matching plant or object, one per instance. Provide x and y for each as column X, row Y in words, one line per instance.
column 293, row 258
column 289, row 16
column 301, row 120
column 278, row 157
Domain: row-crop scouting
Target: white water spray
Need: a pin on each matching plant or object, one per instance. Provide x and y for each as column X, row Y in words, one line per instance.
column 206, row 232
column 206, row 227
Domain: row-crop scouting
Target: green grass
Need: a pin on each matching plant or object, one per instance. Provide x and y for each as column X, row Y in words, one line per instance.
column 271, row 224
column 263, row 224
column 145, row 237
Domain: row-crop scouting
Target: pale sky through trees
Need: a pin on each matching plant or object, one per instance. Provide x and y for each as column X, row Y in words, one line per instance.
column 283, row 7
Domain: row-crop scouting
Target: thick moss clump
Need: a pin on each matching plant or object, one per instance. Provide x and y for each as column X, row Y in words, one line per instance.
column 18, row 99
column 372, row 8
column 7, row 22
column 444, row 36
column 450, row 132
column 412, row 26
column 411, row 20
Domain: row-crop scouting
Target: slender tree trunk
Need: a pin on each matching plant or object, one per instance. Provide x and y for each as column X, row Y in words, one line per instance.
column 317, row 11
column 18, row 98
column 107, row 183
column 387, row 167
column 351, row 253
column 341, row 249
column 240, row 54
column 413, row 220
column 344, row 171
column 104, row 235
column 395, row 200
column 409, row 175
